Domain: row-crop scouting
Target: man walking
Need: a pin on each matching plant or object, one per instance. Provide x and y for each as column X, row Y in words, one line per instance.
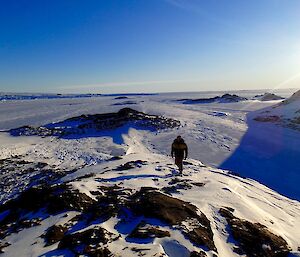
column 180, row 150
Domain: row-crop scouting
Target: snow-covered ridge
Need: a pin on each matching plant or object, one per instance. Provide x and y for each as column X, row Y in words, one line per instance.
column 135, row 205
column 108, row 195
column 287, row 112
column 226, row 98
column 85, row 124
column 268, row 97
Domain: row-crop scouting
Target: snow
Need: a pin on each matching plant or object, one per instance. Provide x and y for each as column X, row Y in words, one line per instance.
column 218, row 135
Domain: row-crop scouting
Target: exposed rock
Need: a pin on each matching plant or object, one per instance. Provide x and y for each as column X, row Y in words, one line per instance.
column 168, row 209
column 269, row 97
column 55, row 234
column 109, row 202
column 27, row 173
column 13, row 224
column 226, row 98
column 198, row 184
column 144, row 230
column 232, row 98
column 3, row 245
column 176, row 185
column 174, row 212
column 175, row 188
column 141, row 251
column 255, row 239
column 175, row 181
column 98, row 122
column 87, row 242
column 121, row 97
column 28, row 223
column 53, row 200
column 286, row 113
column 272, row 118
column 187, row 163
column 56, row 199
column 32, row 131
column 131, row 165
column 115, row 158
column 198, row 254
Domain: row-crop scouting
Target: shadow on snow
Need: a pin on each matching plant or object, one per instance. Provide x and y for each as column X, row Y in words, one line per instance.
column 270, row 154
column 116, row 134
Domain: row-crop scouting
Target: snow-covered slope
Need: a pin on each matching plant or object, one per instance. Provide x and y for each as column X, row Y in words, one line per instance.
column 215, row 132
column 208, row 189
column 286, row 112
column 97, row 196
column 269, row 151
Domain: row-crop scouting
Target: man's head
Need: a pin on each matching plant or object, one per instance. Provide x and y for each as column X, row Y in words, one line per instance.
column 179, row 139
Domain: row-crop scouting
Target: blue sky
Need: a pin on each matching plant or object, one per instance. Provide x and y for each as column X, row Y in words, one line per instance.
column 109, row 46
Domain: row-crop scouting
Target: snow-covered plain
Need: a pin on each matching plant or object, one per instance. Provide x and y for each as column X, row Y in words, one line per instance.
column 218, row 135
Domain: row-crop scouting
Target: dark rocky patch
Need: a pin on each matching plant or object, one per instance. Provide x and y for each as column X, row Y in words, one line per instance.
column 174, row 212
column 6, row 228
column 109, row 202
column 254, row 239
column 35, row 131
column 115, row 158
column 98, row 122
column 176, row 188
column 187, row 163
column 140, row 251
column 177, row 184
column 198, row 184
column 131, row 165
column 27, row 174
column 87, row 242
column 121, row 97
column 271, row 118
column 226, row 98
column 198, row 254
column 175, row 181
column 54, row 234
column 144, row 230
column 3, row 245
column 52, row 200
column 268, row 97
column 155, row 204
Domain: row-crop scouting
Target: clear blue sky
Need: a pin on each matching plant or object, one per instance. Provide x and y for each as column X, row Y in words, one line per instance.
column 148, row 45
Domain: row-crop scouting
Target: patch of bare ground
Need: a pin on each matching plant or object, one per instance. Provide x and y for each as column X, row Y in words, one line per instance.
column 254, row 239
column 51, row 200
column 272, row 118
column 54, row 234
column 198, row 254
column 144, row 230
column 174, row 212
column 89, row 242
